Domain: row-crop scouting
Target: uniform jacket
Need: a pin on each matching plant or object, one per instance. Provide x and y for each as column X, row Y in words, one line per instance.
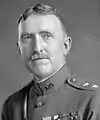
column 63, row 96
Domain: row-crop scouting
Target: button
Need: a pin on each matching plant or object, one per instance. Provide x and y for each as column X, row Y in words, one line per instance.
column 73, row 80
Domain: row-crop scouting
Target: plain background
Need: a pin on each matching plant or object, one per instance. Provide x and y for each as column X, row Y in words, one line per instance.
column 82, row 19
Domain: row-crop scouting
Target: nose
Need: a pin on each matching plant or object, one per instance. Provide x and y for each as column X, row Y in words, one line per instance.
column 37, row 44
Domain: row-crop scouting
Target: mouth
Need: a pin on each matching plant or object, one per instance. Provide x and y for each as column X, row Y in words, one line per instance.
column 37, row 59
column 34, row 58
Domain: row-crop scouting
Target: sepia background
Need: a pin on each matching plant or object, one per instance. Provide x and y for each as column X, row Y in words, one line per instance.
column 82, row 19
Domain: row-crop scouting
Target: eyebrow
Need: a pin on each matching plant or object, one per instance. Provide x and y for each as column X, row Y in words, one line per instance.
column 47, row 32
column 44, row 31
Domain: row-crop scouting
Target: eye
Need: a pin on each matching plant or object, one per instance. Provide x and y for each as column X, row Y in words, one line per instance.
column 46, row 36
column 26, row 38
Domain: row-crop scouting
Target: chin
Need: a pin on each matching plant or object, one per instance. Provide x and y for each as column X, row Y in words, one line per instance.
column 40, row 71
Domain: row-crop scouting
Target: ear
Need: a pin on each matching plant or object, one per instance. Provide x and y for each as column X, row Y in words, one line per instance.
column 18, row 48
column 67, row 45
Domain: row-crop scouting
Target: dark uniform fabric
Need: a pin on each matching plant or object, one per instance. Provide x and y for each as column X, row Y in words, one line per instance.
column 62, row 97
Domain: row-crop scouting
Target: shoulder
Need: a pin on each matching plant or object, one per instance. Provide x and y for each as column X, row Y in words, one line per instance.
column 87, row 88
column 16, row 97
column 82, row 84
column 91, row 91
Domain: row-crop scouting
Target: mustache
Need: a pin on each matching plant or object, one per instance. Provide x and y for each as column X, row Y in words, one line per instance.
column 39, row 56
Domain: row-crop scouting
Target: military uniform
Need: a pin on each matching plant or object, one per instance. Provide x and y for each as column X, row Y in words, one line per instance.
column 61, row 97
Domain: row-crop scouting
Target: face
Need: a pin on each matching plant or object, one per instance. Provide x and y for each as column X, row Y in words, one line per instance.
column 41, row 43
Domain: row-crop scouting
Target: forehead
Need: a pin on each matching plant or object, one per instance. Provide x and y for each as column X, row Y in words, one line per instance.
column 36, row 23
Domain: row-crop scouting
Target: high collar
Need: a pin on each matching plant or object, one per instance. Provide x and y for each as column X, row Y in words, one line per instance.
column 55, row 81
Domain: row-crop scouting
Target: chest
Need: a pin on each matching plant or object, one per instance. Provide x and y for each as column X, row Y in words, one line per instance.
column 58, row 102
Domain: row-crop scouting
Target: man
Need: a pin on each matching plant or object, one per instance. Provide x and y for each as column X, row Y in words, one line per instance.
column 54, row 92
